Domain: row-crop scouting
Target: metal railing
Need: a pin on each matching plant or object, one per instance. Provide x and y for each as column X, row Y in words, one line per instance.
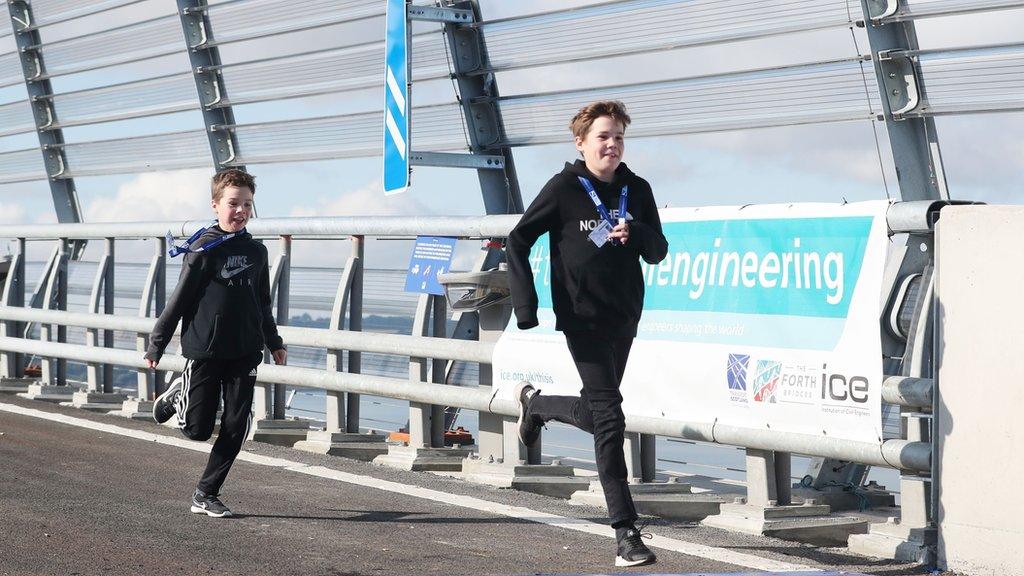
column 897, row 453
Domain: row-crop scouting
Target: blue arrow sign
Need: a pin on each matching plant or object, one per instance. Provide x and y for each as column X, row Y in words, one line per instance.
column 396, row 99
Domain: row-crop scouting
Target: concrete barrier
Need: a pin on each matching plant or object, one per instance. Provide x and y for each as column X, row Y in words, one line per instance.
column 980, row 323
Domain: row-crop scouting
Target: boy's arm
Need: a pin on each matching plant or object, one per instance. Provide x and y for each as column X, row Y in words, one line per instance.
column 270, row 335
column 193, row 275
column 646, row 232
column 540, row 217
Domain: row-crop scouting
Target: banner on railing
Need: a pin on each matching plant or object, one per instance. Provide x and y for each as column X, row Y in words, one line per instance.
column 763, row 317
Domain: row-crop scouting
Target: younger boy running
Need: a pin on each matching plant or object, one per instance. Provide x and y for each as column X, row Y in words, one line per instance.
column 597, row 293
column 223, row 302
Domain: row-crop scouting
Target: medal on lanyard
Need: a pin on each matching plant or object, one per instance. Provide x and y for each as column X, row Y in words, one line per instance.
column 600, row 234
column 176, row 249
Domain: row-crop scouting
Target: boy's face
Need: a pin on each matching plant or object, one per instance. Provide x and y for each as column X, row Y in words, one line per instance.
column 603, row 146
column 234, row 208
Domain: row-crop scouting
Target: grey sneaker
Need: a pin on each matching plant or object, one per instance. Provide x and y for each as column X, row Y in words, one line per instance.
column 632, row 550
column 529, row 428
column 208, row 504
column 165, row 405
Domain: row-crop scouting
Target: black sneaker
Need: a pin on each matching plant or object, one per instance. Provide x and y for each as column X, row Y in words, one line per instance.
column 165, row 405
column 208, row 504
column 529, row 428
column 632, row 550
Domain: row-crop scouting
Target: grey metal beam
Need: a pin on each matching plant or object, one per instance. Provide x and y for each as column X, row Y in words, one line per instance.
column 51, row 140
column 477, row 94
column 450, row 160
column 203, row 56
column 914, row 141
column 440, row 14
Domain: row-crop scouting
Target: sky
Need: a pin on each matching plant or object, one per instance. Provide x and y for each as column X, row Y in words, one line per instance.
column 983, row 154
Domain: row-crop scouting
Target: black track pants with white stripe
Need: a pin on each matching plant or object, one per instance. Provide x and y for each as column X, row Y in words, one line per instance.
column 204, row 384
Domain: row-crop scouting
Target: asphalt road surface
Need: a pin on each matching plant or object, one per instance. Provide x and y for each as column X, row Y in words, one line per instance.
column 75, row 500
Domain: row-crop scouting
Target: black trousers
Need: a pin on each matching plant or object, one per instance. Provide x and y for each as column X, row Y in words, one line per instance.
column 204, row 384
column 601, row 361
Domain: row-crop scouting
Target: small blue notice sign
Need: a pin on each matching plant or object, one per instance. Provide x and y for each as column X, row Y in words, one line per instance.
column 431, row 256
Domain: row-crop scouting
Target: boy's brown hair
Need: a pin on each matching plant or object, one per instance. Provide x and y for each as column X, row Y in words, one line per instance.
column 231, row 177
column 583, row 119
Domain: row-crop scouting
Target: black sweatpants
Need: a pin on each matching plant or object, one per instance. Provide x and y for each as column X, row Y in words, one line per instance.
column 601, row 362
column 204, row 384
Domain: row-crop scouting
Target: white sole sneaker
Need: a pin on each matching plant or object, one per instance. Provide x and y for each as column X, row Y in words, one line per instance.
column 621, row 562
column 200, row 510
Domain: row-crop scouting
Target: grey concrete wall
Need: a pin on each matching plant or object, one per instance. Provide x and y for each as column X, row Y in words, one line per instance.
column 980, row 290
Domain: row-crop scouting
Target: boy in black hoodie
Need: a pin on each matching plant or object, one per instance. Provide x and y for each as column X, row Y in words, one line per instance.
column 223, row 301
column 597, row 293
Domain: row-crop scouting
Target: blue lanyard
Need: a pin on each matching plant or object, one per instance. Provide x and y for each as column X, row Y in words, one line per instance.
column 623, row 197
column 176, row 249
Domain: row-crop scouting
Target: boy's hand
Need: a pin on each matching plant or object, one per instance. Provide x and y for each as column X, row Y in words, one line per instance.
column 621, row 232
column 280, row 356
column 151, row 363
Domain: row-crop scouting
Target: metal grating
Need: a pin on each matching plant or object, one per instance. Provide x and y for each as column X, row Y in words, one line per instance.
column 352, row 135
column 247, row 19
column 16, row 118
column 822, row 92
column 982, row 79
column 930, row 8
column 48, row 12
column 159, row 36
column 569, row 35
column 21, row 166
column 327, row 71
column 149, row 97
column 143, row 154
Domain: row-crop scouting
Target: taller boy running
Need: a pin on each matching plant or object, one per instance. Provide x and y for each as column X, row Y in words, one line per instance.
column 601, row 219
column 223, row 302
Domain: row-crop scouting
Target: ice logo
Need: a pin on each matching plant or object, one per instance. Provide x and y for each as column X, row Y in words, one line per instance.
column 766, row 380
column 736, row 373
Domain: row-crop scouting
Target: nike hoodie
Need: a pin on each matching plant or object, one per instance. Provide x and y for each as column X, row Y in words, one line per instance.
column 592, row 289
column 222, row 300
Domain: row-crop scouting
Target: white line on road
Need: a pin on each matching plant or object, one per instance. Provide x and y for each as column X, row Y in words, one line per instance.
column 577, row 524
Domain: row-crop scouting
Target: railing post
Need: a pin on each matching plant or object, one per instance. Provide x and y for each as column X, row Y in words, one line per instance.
column 153, row 298
column 343, row 409
column 11, row 363
column 101, row 376
column 355, row 324
column 55, row 296
column 437, row 370
column 640, row 456
column 420, row 414
column 283, row 287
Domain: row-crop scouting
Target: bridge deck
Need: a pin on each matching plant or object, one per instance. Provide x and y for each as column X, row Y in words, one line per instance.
column 82, row 493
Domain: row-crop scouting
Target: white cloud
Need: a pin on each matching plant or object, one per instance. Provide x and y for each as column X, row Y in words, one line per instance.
column 11, row 213
column 180, row 195
column 366, row 201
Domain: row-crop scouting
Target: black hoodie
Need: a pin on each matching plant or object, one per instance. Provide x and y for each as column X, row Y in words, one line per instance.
column 223, row 301
column 592, row 289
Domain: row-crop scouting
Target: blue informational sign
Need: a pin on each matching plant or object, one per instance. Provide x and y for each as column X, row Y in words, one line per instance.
column 396, row 99
column 431, row 256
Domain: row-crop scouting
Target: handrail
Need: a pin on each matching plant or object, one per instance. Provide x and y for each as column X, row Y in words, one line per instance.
column 395, row 344
column 902, row 454
column 333, row 227
column 901, row 216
